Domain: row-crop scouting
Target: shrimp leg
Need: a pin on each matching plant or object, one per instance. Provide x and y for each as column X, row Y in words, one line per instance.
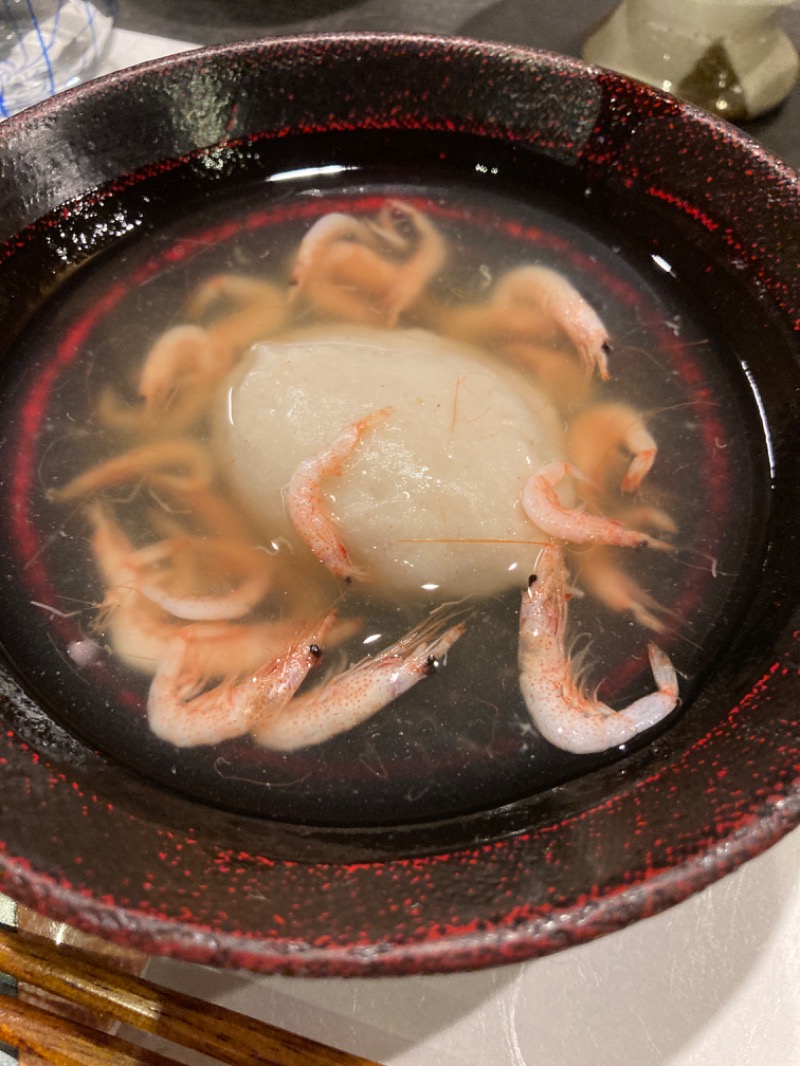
column 566, row 716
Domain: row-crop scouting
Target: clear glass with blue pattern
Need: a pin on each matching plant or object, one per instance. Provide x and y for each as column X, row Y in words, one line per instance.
column 47, row 46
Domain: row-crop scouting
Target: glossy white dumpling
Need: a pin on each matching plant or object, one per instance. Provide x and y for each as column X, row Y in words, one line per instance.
column 431, row 496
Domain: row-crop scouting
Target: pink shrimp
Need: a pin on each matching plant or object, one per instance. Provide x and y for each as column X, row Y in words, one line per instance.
column 137, row 628
column 189, row 559
column 609, row 437
column 180, row 712
column 182, row 357
column 545, row 288
column 420, row 266
column 369, row 271
column 356, row 695
column 327, row 231
column 304, row 498
column 548, row 513
column 179, row 463
column 565, row 715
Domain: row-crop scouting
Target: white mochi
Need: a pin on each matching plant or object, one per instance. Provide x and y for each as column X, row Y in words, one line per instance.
column 430, row 497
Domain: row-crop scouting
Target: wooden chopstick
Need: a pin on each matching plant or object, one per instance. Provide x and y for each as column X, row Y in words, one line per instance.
column 224, row 1034
column 63, row 1042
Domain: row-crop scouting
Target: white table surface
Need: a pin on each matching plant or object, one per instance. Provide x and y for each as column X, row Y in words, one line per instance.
column 712, row 982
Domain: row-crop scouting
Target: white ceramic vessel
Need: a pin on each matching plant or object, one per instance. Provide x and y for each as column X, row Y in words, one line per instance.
column 729, row 56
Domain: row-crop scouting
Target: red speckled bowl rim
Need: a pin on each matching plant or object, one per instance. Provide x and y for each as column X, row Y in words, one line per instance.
column 84, row 842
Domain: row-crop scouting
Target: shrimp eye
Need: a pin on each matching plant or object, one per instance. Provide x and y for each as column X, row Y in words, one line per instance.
column 532, row 580
column 431, row 665
column 315, row 650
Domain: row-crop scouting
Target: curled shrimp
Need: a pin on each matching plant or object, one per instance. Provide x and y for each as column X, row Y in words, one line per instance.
column 140, row 618
column 188, row 559
column 367, row 271
column 609, row 437
column 563, row 713
column 427, row 257
column 577, row 319
column 180, row 463
column 180, row 711
column 548, row 513
column 137, row 628
column 304, row 501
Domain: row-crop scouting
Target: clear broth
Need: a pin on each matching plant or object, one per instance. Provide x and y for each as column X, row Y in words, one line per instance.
column 462, row 740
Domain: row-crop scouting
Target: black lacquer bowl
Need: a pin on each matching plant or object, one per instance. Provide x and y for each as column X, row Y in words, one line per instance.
column 111, row 848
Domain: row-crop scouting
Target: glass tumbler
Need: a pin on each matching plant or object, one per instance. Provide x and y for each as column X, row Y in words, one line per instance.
column 47, row 46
